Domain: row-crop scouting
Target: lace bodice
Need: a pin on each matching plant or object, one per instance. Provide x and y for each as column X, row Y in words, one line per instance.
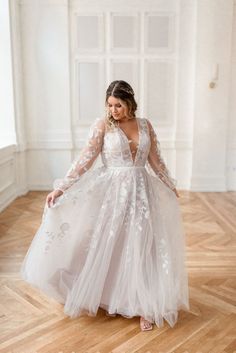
column 115, row 152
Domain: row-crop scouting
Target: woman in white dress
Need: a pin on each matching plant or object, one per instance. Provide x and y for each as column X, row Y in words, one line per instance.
column 112, row 237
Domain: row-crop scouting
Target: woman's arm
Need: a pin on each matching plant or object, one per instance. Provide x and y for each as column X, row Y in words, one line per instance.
column 156, row 161
column 86, row 157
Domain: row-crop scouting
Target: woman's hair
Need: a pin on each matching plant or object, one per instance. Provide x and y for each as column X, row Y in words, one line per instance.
column 122, row 90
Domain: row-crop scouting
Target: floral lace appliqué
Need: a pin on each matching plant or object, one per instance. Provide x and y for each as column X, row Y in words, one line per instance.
column 156, row 161
column 51, row 236
column 86, row 158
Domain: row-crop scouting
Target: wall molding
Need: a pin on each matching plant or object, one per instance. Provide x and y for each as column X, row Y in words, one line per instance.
column 207, row 183
column 8, row 199
column 147, row 5
column 54, row 140
column 35, row 3
column 6, row 186
column 6, row 151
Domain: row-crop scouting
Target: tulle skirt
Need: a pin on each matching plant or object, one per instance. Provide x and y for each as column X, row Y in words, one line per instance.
column 113, row 240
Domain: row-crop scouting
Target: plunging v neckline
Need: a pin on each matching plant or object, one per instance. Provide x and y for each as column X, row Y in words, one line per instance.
column 138, row 143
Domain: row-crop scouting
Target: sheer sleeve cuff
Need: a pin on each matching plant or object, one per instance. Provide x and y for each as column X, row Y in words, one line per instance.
column 64, row 184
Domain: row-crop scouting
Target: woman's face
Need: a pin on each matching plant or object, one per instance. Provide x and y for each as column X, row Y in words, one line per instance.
column 117, row 108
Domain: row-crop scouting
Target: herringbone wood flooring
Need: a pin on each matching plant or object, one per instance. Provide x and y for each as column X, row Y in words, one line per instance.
column 31, row 322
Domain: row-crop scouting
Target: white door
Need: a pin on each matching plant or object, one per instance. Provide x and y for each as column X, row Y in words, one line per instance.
column 131, row 40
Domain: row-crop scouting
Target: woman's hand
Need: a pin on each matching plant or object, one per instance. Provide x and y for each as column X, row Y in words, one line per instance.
column 50, row 199
column 176, row 192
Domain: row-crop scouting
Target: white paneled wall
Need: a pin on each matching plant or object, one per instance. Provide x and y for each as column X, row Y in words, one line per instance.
column 46, row 84
column 213, row 43
column 136, row 46
column 135, row 41
column 159, row 96
column 66, row 53
column 231, row 128
column 185, row 89
column 7, row 126
column 7, row 176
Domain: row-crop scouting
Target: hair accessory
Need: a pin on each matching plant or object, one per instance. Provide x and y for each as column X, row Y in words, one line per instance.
column 127, row 90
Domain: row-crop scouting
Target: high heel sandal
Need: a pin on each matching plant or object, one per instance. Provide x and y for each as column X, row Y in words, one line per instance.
column 145, row 325
column 112, row 315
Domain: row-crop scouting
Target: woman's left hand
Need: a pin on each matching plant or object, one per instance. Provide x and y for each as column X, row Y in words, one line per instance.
column 176, row 192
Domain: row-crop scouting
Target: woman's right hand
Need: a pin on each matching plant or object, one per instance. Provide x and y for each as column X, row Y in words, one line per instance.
column 51, row 197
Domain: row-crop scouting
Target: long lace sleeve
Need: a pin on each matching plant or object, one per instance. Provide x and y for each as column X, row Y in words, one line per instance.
column 156, row 161
column 86, row 158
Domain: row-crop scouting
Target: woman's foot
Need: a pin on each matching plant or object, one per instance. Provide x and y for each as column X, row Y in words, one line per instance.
column 112, row 315
column 145, row 325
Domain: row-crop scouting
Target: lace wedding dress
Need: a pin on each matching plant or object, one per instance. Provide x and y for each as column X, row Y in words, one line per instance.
column 114, row 239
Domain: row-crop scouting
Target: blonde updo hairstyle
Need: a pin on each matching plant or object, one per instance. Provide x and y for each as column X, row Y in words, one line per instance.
column 121, row 90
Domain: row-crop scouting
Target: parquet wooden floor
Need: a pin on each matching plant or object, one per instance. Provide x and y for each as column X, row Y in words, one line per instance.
column 32, row 323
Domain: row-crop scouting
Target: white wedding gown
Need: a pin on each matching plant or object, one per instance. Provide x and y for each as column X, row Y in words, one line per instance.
column 114, row 239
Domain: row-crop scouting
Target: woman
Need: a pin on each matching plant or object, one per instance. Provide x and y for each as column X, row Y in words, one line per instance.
column 112, row 236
